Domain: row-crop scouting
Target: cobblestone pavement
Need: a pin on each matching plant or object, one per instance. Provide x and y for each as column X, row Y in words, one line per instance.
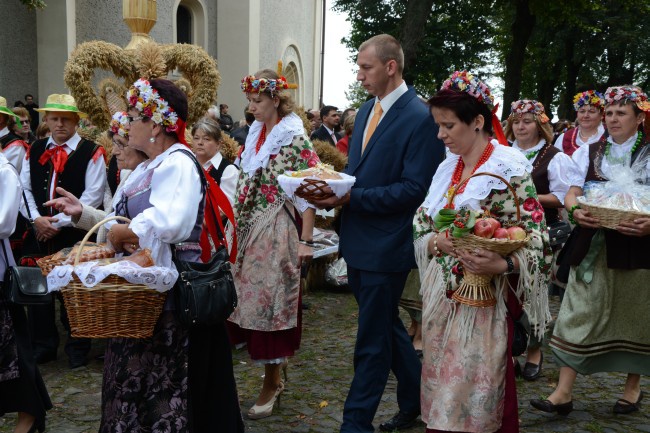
column 319, row 377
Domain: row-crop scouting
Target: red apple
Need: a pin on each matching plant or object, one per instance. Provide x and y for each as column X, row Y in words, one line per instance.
column 483, row 228
column 516, row 233
column 495, row 223
column 501, row 233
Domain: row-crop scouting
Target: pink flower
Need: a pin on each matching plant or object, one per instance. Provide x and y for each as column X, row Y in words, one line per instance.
column 530, row 204
column 133, row 100
column 273, row 189
column 270, row 198
column 147, row 111
column 305, row 154
column 265, row 189
column 246, row 189
column 537, row 216
column 312, row 162
column 242, row 197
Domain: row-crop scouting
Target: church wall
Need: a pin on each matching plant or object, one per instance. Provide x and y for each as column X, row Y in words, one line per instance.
column 19, row 66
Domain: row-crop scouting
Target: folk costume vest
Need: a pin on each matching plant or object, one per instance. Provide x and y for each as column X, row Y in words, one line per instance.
column 569, row 144
column 73, row 179
column 540, row 178
column 11, row 139
column 623, row 252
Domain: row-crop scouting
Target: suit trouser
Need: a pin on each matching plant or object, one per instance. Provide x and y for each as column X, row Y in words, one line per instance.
column 382, row 345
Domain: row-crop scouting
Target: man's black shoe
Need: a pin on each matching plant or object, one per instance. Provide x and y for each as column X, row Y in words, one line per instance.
column 402, row 420
column 77, row 361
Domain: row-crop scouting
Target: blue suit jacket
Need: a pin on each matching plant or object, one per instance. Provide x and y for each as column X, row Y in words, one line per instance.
column 393, row 176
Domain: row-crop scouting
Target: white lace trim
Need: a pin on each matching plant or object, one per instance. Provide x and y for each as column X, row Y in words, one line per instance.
column 504, row 161
column 281, row 135
column 154, row 277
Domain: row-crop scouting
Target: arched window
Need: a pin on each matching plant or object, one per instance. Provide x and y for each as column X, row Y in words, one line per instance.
column 291, row 74
column 183, row 25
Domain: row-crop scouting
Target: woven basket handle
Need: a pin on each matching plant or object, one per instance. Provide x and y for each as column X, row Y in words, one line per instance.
column 93, row 230
column 450, row 200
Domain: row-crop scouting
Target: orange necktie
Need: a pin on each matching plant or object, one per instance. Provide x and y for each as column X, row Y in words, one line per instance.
column 373, row 124
column 58, row 155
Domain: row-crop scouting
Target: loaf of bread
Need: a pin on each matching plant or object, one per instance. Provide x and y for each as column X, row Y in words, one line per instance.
column 90, row 253
column 319, row 171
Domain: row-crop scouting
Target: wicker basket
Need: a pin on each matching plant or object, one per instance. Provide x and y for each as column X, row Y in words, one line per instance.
column 313, row 189
column 478, row 290
column 609, row 217
column 47, row 264
column 113, row 308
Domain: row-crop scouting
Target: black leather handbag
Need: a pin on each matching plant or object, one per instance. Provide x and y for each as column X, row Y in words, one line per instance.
column 520, row 336
column 204, row 292
column 24, row 285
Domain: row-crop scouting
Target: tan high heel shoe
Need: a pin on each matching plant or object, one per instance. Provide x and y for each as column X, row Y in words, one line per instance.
column 265, row 410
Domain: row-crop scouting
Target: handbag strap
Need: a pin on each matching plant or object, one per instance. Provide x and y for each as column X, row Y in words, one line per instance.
column 215, row 200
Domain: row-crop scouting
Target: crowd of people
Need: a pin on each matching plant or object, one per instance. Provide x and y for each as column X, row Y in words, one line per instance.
column 412, row 160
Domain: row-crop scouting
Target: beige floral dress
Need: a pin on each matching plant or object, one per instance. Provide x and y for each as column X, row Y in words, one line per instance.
column 465, row 348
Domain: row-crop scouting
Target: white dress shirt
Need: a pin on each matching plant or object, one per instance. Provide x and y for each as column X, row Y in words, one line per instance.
column 228, row 183
column 14, row 154
column 93, row 194
column 385, row 103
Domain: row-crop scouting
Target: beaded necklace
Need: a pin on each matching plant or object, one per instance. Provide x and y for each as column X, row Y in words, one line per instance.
column 620, row 160
column 261, row 139
column 460, row 166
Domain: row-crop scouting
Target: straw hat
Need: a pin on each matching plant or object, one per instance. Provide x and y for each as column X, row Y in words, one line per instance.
column 61, row 103
column 6, row 110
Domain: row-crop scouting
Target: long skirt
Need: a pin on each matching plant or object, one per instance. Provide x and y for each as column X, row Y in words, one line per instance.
column 22, row 389
column 177, row 381
column 602, row 325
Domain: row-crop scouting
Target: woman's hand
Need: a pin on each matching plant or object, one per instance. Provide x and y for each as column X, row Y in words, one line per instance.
column 123, row 239
column 443, row 242
column 585, row 219
column 482, row 262
column 639, row 227
column 67, row 203
column 305, row 254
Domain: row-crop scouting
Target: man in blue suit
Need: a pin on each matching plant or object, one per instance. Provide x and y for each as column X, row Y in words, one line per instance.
column 394, row 152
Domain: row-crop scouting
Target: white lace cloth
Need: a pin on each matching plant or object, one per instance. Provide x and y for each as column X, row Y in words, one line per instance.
column 154, row 277
column 281, row 135
column 340, row 187
column 504, row 161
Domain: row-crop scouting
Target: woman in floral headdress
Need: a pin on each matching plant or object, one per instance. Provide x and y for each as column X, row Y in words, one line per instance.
column 601, row 326
column 467, row 372
column 272, row 245
column 181, row 379
column 529, row 127
column 589, row 107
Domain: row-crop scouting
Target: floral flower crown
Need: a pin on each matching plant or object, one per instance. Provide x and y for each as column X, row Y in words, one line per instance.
column 616, row 95
column 590, row 97
column 146, row 99
column 466, row 82
column 523, row 106
column 250, row 84
column 118, row 124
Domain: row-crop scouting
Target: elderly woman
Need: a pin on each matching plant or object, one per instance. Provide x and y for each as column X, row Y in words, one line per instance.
column 206, row 144
column 467, row 372
column 529, row 127
column 268, row 316
column 21, row 386
column 599, row 326
column 589, row 117
column 180, row 379
column 127, row 159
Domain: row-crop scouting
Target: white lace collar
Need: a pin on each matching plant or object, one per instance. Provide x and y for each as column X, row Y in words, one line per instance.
column 281, row 135
column 504, row 161
column 623, row 148
column 535, row 148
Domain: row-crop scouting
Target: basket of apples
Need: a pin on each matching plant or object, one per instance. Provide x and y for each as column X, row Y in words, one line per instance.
column 469, row 231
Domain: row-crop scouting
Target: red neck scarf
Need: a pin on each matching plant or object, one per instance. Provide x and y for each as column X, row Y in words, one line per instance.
column 58, row 155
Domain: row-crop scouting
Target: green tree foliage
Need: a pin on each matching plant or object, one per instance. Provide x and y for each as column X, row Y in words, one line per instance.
column 33, row 4
column 543, row 50
column 356, row 95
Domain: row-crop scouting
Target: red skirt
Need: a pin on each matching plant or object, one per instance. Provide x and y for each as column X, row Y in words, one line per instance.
column 268, row 345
